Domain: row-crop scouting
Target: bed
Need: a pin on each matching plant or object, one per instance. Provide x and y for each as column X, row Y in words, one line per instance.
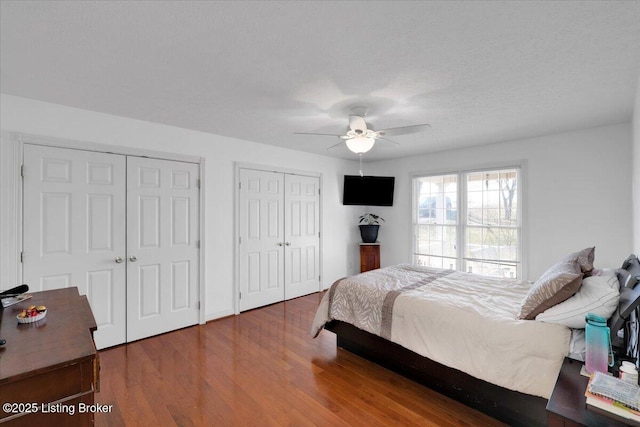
column 461, row 334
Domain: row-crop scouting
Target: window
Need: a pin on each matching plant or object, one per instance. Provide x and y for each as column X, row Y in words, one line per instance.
column 436, row 224
column 469, row 221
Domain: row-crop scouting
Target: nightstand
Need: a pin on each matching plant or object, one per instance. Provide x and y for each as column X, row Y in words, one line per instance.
column 567, row 407
column 369, row 256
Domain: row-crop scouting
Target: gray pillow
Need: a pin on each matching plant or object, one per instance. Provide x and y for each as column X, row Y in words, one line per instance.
column 559, row 283
column 584, row 257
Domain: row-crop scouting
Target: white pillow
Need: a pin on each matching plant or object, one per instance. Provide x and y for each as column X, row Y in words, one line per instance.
column 604, row 272
column 607, row 280
column 598, row 295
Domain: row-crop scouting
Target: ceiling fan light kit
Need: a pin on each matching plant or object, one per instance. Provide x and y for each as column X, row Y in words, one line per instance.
column 360, row 145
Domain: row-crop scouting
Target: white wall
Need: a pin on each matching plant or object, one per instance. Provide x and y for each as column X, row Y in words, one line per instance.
column 339, row 238
column 577, row 189
column 636, row 172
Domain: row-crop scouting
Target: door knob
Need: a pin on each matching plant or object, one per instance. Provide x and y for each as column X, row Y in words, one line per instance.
column 280, row 243
column 288, row 243
column 118, row 260
column 133, row 258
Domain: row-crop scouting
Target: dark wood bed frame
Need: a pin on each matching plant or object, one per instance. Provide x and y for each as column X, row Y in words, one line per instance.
column 511, row 407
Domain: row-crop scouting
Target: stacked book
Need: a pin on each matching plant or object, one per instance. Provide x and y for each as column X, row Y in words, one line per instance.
column 614, row 397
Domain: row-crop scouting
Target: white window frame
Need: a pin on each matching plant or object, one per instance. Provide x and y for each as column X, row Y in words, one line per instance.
column 462, row 207
column 415, row 210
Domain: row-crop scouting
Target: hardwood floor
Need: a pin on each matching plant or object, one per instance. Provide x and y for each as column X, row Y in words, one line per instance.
column 262, row 368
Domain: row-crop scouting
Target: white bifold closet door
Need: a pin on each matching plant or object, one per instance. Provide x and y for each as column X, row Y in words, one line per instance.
column 279, row 237
column 122, row 229
column 74, row 230
column 162, row 246
column 302, row 235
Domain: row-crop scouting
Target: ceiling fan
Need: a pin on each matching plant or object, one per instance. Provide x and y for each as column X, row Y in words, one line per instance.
column 361, row 137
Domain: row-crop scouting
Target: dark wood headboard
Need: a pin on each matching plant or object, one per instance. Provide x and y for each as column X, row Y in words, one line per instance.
column 629, row 301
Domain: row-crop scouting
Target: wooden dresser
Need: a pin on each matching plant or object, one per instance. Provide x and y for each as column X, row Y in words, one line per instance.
column 369, row 256
column 50, row 368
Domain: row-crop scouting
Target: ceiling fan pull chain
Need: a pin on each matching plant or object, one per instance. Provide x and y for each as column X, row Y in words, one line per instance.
column 361, row 174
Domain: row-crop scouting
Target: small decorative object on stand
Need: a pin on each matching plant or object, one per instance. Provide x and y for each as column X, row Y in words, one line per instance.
column 32, row 314
column 369, row 230
column 628, row 373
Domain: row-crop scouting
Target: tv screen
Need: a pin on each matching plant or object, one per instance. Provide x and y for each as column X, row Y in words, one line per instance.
column 368, row 190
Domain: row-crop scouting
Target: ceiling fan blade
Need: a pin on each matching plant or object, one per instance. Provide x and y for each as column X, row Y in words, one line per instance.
column 357, row 123
column 313, row 133
column 335, row 145
column 404, row 130
column 387, row 139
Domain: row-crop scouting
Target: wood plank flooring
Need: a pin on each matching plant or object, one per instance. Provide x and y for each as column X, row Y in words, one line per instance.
column 262, row 368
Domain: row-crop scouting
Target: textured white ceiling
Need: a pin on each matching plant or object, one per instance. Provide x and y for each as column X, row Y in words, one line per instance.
column 478, row 72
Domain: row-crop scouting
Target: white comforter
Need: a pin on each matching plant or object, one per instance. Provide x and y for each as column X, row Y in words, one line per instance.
column 464, row 321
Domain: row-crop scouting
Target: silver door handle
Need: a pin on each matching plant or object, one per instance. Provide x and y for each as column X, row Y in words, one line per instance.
column 118, row 260
column 133, row 258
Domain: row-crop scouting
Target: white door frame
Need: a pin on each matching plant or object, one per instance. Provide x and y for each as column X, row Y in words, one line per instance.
column 12, row 228
column 236, row 216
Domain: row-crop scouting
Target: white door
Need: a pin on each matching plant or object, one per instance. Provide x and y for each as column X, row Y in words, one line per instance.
column 261, row 221
column 162, row 246
column 74, row 230
column 279, row 237
column 302, row 235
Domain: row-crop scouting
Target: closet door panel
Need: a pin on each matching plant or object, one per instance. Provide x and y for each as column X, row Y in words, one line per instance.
column 74, row 230
column 162, row 250
column 302, row 235
column 261, row 240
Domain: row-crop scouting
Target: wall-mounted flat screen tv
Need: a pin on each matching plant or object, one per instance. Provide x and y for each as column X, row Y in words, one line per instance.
column 368, row 190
